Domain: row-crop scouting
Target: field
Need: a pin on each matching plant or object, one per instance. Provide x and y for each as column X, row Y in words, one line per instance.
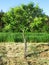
column 12, row 49
column 18, row 37
column 24, row 34
column 13, row 54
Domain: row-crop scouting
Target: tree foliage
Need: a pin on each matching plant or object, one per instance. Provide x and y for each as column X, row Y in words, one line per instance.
column 30, row 18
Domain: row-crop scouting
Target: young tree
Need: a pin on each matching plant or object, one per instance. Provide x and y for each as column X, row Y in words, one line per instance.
column 24, row 18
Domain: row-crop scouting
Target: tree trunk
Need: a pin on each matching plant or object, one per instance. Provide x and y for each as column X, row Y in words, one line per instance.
column 25, row 47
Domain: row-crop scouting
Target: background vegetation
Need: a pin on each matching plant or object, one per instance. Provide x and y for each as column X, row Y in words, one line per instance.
column 30, row 37
column 29, row 18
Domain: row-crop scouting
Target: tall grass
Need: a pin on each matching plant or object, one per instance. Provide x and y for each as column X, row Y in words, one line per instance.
column 30, row 37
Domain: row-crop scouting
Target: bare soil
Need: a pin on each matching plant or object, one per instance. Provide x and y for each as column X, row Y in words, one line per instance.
column 13, row 54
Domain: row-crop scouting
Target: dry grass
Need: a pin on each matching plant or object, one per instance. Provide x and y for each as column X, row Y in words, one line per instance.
column 13, row 54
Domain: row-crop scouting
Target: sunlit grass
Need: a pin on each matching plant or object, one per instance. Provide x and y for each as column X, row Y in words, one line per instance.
column 18, row 37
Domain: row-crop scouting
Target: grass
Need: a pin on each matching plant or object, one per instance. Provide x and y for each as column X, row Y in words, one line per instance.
column 30, row 37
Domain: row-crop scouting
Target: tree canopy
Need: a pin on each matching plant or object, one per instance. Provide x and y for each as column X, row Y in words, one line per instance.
column 30, row 18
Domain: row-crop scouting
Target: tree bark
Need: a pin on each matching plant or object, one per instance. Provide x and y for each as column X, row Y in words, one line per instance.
column 25, row 47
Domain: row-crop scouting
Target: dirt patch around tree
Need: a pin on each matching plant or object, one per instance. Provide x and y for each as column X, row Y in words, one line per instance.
column 13, row 54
